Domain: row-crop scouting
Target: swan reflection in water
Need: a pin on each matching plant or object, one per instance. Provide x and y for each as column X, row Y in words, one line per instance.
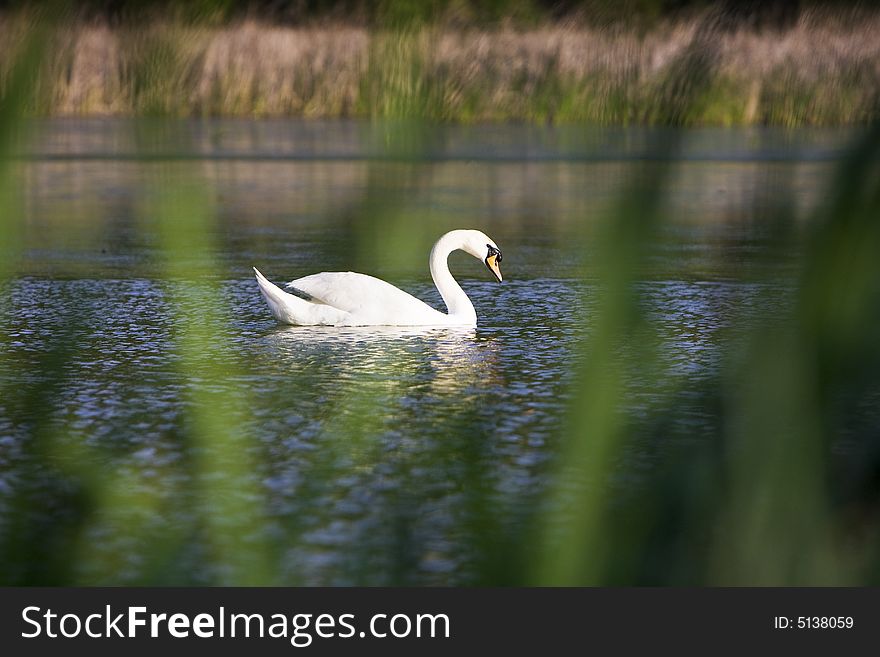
column 416, row 358
column 395, row 404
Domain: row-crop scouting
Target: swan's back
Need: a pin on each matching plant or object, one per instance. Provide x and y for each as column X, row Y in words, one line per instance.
column 366, row 300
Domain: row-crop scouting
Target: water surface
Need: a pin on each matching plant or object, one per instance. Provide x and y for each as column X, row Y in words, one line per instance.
column 369, row 448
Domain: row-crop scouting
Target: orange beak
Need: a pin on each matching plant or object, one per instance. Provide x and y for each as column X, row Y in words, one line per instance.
column 492, row 264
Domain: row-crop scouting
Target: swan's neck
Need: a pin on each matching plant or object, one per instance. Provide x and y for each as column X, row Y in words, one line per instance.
column 457, row 302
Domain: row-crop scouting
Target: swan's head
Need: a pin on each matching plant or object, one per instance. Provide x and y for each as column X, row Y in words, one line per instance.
column 479, row 245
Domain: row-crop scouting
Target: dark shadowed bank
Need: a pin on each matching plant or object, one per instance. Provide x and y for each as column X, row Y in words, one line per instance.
column 778, row 63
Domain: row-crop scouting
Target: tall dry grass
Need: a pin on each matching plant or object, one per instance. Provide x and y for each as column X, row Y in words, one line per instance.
column 820, row 71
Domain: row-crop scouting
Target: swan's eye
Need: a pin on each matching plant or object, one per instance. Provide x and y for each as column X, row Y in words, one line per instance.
column 493, row 252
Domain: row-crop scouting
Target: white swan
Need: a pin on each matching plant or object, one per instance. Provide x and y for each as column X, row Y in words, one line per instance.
column 350, row 299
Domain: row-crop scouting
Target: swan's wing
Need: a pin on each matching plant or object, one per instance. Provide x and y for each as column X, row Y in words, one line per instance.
column 365, row 297
column 293, row 309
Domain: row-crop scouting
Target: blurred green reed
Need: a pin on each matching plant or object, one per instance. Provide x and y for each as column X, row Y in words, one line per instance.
column 28, row 554
column 759, row 504
column 227, row 519
column 228, row 501
column 19, row 89
column 762, row 505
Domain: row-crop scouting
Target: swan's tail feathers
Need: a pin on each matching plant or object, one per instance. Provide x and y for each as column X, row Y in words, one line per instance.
column 292, row 309
column 283, row 305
